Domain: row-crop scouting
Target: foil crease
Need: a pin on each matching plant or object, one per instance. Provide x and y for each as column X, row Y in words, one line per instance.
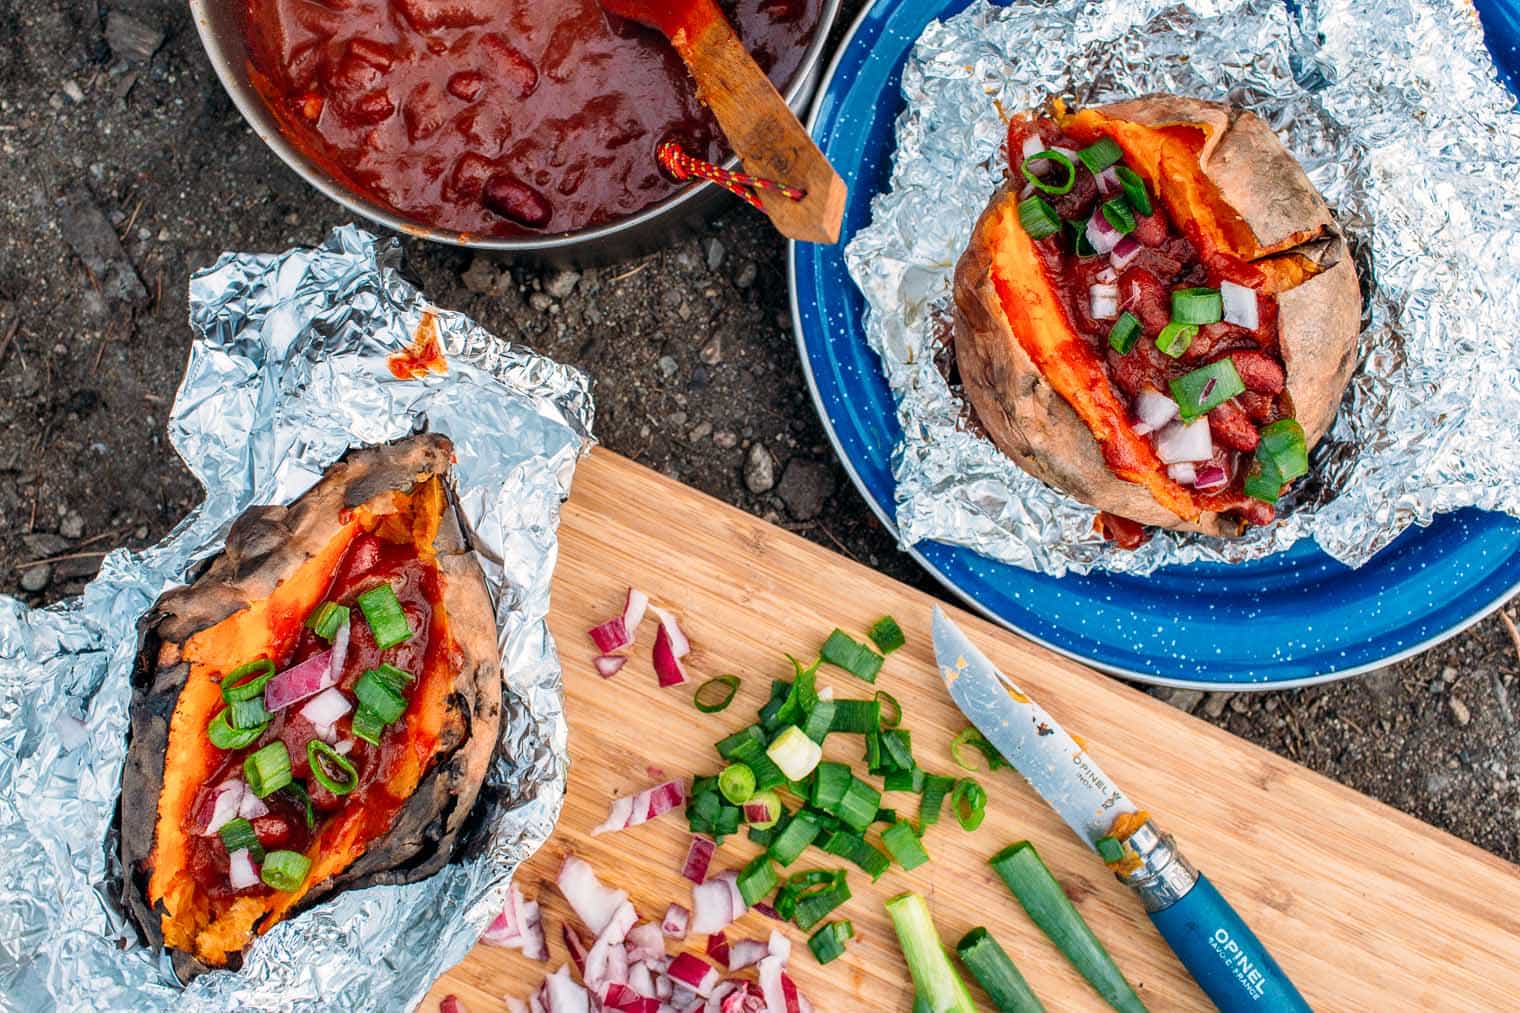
column 288, row 371
column 1395, row 111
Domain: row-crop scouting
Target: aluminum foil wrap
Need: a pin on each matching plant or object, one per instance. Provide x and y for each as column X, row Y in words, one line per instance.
column 288, row 371
column 1394, row 110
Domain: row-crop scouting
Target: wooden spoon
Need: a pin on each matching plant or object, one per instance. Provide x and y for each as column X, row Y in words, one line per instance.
column 759, row 125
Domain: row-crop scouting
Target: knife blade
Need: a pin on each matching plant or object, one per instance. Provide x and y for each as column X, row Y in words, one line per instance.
column 1215, row 945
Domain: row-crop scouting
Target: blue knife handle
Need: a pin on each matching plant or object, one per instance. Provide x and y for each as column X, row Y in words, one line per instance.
column 1223, row 955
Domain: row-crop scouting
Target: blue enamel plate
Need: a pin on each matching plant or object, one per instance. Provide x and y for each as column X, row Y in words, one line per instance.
column 1295, row 618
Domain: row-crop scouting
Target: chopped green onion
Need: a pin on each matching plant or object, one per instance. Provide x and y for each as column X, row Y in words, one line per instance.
column 889, row 718
column 726, row 822
column 374, row 692
column 804, row 884
column 856, row 717
column 268, row 770
column 886, row 635
column 327, row 620
column 1284, row 447
column 828, row 942
column 298, row 791
column 1081, row 246
column 224, row 736
column 853, row 848
column 285, row 870
column 767, row 774
column 715, row 694
column 904, row 780
column 935, row 790
column 801, row 694
column 1199, row 392
column 996, row 973
column 1057, row 159
column 970, row 736
column 794, row 753
column 246, row 714
column 813, row 907
column 819, row 721
column 773, row 809
column 387, row 621
column 885, row 815
column 246, row 682
column 1134, row 189
column 1124, row 333
column 1197, row 306
column 736, row 783
column 757, row 880
column 903, row 845
column 858, row 806
column 921, row 1005
column 702, row 809
column 743, row 744
column 237, row 834
column 780, row 690
column 873, row 751
column 1038, row 218
column 366, row 725
column 800, row 831
column 830, row 781
column 1117, row 213
column 1100, row 154
column 897, row 749
column 934, row 976
column 324, row 759
column 1109, row 849
column 394, row 678
column 969, row 803
column 1038, row 892
column 1175, row 338
column 843, row 651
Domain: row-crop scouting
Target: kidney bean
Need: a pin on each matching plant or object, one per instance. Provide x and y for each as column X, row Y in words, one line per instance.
column 374, row 107
column 274, row 831
column 510, row 197
column 1214, row 340
column 1122, row 531
column 1260, row 372
column 1079, row 201
column 1143, row 294
column 1233, row 428
column 1261, row 407
column 1143, row 367
column 423, row 112
column 510, row 67
column 1151, row 230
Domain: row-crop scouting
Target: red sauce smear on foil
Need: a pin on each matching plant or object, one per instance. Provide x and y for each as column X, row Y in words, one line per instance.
column 497, row 117
column 423, row 356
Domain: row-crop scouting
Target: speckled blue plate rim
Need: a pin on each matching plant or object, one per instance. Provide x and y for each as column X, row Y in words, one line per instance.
column 1297, row 618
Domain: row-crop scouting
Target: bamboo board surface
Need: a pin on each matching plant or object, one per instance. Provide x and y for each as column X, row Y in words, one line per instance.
column 1366, row 908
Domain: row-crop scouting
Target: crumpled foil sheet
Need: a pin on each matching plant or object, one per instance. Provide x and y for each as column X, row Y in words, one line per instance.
column 289, row 370
column 1395, row 111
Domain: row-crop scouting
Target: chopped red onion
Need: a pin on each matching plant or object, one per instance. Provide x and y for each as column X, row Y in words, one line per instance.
column 1181, row 441
column 608, row 665
column 610, row 636
column 670, row 646
column 607, row 960
column 1209, row 477
column 451, row 1004
column 675, row 921
column 769, row 912
column 1183, row 473
column 562, row 995
column 1155, row 410
column 1240, row 306
column 1108, row 182
column 746, row 999
column 240, row 871
column 640, row 979
column 344, row 747
column 633, row 610
column 630, row 811
column 575, row 945
column 1103, row 236
column 789, row 993
column 593, row 903
column 770, row 985
column 730, row 879
column 698, row 857
column 1124, row 252
column 779, row 946
column 297, row 683
column 756, row 812
column 624, row 999
column 746, row 953
column 717, row 948
column 694, row 972
column 679, row 645
column 645, row 943
column 324, row 709
column 515, row 1005
column 217, row 807
column 1103, row 301
column 1032, row 147
column 252, row 807
column 617, row 816
column 712, row 907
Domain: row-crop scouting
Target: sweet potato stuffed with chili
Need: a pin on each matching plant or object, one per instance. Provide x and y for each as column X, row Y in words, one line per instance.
column 1157, row 313
column 316, row 712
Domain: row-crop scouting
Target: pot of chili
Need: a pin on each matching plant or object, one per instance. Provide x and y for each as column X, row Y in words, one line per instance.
column 526, row 126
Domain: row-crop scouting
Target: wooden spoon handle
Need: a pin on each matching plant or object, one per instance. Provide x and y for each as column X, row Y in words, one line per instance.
column 762, row 129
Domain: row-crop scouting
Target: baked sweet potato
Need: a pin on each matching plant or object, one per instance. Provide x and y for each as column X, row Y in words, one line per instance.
column 1216, row 210
column 391, row 789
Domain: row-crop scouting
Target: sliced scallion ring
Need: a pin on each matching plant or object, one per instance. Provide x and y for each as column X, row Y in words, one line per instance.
column 716, row 694
column 224, row 736
column 1038, row 218
column 324, row 759
column 969, row 803
column 247, row 681
column 737, row 783
column 1055, row 158
column 887, row 700
column 268, row 770
column 285, row 870
column 1099, row 155
column 1134, row 189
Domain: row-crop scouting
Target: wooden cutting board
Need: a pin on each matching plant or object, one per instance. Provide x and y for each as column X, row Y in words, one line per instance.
column 1365, row 907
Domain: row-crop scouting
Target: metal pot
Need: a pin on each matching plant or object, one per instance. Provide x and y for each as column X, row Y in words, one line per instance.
column 222, row 36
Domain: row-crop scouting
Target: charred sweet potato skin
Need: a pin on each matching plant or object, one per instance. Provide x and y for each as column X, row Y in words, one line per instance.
column 1223, row 175
column 270, row 575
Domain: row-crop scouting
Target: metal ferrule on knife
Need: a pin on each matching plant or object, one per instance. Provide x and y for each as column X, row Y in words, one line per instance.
column 1164, row 876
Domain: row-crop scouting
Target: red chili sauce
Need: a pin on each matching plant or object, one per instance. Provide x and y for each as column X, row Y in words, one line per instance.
column 497, row 117
column 1167, row 261
column 368, row 562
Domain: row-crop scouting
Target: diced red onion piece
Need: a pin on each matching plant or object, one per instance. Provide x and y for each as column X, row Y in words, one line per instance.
column 1032, row 147
column 1240, row 306
column 730, row 879
column 1209, row 477
column 515, row 1005
column 563, row 995
column 1182, row 473
column 779, row 946
column 1103, row 236
column 667, row 663
column 504, row 930
column 624, row 999
column 326, row 707
column 679, row 645
column 712, row 907
column 298, row 682
column 770, row 985
column 789, row 993
column 618, row 815
column 252, row 807
column 664, row 988
column 607, row 953
column 451, row 1004
column 645, row 943
column 630, row 811
column 1103, row 301
column 218, row 807
column 675, row 921
column 769, row 912
column 1108, row 182
column 1124, row 252
column 575, row 945
column 756, row 812
column 1181, row 441
column 534, row 945
column 633, row 610
column 694, row 972
column 717, row 948
column 344, row 747
column 240, row 871
column 1106, row 276
column 1068, row 152
column 746, row 953
column 698, row 857
column 641, row 979
column 608, row 665
column 610, row 636
column 1155, row 410
column 593, row 903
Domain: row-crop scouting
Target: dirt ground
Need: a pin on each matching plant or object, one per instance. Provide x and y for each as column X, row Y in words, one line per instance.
column 124, row 167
